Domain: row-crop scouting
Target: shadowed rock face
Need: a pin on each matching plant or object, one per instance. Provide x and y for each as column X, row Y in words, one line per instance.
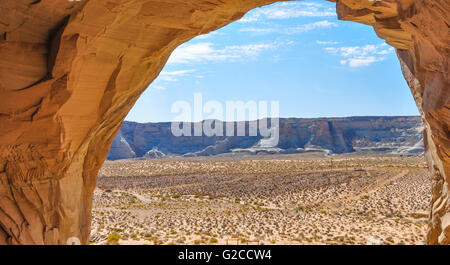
column 365, row 135
column 71, row 71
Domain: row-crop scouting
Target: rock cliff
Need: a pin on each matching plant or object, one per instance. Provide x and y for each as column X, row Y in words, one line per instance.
column 70, row 71
column 364, row 135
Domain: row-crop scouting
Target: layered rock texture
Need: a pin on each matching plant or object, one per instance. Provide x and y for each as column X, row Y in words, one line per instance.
column 355, row 135
column 71, row 70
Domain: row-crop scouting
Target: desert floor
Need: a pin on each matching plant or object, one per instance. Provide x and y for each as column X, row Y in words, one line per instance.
column 270, row 200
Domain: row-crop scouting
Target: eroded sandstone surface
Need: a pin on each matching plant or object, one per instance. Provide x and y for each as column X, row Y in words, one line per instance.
column 71, row 71
column 322, row 136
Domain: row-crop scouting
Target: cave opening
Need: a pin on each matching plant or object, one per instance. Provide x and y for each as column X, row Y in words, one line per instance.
column 72, row 70
column 356, row 170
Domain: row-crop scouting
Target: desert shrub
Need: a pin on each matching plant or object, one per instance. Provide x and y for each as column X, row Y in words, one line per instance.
column 418, row 215
column 113, row 238
column 300, row 208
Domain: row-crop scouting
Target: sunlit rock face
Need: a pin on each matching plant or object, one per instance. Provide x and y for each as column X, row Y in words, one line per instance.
column 71, row 70
column 322, row 136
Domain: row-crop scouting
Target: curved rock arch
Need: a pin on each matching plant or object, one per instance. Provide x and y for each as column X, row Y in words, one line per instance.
column 71, row 71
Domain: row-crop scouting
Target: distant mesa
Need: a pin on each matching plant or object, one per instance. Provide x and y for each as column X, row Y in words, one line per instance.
column 401, row 135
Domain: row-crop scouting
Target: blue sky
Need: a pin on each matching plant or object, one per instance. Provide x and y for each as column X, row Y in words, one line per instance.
column 296, row 53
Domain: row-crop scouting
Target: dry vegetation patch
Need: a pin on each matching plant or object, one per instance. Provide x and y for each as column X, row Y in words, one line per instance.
column 344, row 200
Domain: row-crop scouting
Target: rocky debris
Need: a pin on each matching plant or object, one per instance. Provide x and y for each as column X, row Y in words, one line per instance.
column 154, row 153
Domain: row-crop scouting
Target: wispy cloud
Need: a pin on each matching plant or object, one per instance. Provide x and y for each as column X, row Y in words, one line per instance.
column 209, row 35
column 177, row 73
column 173, row 76
column 206, row 52
column 360, row 56
column 327, row 42
column 311, row 26
column 291, row 30
column 289, row 10
column 259, row 30
column 168, row 78
column 157, row 87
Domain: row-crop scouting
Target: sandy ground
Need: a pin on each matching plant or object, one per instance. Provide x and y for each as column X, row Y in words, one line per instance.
column 340, row 200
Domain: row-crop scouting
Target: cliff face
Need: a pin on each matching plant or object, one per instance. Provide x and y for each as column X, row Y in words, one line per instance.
column 365, row 135
column 71, row 70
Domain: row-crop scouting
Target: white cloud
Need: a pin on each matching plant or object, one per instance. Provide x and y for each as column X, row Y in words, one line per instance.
column 311, row 26
column 292, row 30
column 177, row 73
column 360, row 56
column 157, row 87
column 208, row 35
column 327, row 42
column 172, row 76
column 361, row 61
column 168, row 78
column 248, row 19
column 289, row 10
column 259, row 30
column 205, row 52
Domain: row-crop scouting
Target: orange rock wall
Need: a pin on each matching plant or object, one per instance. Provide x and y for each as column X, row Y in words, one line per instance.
column 71, row 71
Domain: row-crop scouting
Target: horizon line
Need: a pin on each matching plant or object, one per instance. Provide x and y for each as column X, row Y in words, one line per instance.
column 285, row 118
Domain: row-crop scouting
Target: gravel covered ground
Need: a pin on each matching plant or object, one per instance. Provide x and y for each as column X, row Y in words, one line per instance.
column 280, row 200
